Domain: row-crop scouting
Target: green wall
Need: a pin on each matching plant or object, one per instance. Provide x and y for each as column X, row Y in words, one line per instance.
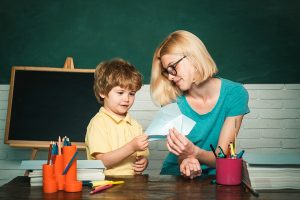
column 251, row 41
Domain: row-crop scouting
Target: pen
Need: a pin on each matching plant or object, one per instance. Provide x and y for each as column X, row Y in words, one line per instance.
column 240, row 155
column 220, row 155
column 101, row 188
column 70, row 163
column 222, row 152
column 213, row 150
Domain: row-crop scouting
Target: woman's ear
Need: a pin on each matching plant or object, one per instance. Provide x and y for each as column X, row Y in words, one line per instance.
column 195, row 75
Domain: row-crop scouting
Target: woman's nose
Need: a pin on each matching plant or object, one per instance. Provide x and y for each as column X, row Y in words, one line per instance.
column 171, row 77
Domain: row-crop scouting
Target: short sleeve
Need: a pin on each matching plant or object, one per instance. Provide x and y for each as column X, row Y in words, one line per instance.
column 96, row 138
column 237, row 103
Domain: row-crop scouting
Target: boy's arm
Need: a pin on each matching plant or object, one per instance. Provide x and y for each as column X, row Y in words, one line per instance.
column 111, row 158
column 114, row 157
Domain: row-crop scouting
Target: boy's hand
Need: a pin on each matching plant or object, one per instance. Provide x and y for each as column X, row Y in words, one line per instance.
column 140, row 165
column 139, row 143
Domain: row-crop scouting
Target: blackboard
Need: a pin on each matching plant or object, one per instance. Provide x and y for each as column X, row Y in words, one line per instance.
column 46, row 103
column 251, row 41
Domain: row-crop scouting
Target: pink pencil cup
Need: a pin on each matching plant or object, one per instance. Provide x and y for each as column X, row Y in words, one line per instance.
column 229, row 171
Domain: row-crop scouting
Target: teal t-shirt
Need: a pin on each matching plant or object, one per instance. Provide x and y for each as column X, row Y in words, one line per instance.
column 233, row 101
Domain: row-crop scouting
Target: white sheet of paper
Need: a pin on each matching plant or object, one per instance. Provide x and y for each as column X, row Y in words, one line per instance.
column 166, row 118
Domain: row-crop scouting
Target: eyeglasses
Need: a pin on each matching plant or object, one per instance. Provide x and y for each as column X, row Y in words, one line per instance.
column 171, row 69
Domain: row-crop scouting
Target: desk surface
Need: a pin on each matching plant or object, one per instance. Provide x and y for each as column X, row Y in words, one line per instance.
column 146, row 187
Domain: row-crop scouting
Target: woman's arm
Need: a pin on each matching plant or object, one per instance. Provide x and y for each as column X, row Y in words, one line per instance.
column 139, row 143
column 228, row 134
column 181, row 146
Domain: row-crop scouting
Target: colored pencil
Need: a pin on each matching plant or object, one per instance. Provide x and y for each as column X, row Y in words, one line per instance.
column 70, row 163
column 49, row 153
column 101, row 188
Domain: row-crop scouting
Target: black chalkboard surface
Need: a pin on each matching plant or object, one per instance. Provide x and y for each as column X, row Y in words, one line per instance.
column 46, row 103
column 251, row 41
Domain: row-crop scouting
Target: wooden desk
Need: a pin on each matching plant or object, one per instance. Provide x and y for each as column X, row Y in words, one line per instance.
column 146, row 187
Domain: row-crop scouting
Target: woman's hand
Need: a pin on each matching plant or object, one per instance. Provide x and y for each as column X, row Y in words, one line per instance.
column 190, row 168
column 178, row 144
column 140, row 165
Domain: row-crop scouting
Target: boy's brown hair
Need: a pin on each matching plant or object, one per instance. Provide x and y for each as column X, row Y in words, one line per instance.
column 116, row 72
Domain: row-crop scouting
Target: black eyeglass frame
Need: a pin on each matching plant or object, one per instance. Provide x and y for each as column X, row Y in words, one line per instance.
column 171, row 69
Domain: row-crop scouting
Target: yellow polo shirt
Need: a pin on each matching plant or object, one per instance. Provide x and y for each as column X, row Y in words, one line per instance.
column 107, row 132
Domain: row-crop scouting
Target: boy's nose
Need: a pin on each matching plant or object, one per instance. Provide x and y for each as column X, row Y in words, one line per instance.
column 126, row 98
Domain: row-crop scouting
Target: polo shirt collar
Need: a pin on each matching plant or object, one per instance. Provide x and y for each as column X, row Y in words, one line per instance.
column 116, row 118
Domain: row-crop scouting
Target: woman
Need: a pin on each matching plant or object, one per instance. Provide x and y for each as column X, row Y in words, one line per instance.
column 183, row 71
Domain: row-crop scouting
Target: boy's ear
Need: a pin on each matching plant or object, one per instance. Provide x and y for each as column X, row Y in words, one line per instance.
column 102, row 95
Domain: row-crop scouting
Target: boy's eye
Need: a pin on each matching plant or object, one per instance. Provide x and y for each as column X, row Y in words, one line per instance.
column 120, row 92
column 132, row 93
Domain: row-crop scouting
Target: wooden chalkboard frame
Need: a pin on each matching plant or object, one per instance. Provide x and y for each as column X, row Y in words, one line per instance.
column 68, row 67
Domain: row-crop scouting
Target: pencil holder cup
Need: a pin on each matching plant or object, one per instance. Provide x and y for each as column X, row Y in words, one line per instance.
column 229, row 171
column 49, row 182
column 58, row 171
column 59, row 165
column 71, row 183
column 60, row 179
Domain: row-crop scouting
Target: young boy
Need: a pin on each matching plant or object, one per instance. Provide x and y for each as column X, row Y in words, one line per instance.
column 112, row 135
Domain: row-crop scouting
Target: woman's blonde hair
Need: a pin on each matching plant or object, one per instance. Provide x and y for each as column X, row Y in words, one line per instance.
column 116, row 72
column 184, row 43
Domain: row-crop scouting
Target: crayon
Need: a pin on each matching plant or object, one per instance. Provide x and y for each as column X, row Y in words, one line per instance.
column 101, row 188
column 101, row 183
